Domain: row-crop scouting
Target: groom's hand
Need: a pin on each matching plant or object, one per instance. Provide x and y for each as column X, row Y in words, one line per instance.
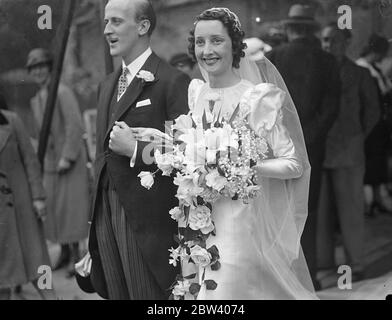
column 122, row 140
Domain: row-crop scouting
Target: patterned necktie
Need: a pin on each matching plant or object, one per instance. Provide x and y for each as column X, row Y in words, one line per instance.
column 122, row 83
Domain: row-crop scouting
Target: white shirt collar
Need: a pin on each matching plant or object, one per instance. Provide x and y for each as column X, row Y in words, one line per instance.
column 135, row 66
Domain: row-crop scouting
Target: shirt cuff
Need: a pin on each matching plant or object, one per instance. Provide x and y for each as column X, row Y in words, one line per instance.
column 133, row 159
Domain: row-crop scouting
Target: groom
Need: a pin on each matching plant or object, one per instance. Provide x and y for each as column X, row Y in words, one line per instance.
column 131, row 228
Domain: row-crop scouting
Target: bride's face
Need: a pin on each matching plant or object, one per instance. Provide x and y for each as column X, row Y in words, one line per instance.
column 213, row 47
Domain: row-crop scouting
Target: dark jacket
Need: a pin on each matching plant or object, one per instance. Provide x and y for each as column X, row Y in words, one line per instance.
column 147, row 211
column 358, row 114
column 22, row 243
column 312, row 78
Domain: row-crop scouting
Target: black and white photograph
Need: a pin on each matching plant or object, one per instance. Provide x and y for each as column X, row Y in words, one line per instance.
column 211, row 151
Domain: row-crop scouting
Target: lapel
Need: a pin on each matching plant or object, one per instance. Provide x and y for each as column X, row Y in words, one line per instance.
column 132, row 93
column 5, row 132
column 107, row 90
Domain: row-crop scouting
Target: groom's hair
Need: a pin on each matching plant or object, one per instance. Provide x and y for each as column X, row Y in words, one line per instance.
column 145, row 11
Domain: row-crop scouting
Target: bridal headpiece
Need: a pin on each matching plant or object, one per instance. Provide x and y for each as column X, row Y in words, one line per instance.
column 231, row 14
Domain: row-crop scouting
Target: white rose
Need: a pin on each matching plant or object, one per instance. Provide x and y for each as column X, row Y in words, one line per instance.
column 145, row 75
column 183, row 123
column 146, row 179
column 178, row 160
column 200, row 256
column 188, row 188
column 185, row 197
column 200, row 219
column 181, row 288
column 215, row 180
column 164, row 162
column 176, row 213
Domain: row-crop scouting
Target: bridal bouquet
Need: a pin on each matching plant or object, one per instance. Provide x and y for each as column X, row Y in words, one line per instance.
column 210, row 158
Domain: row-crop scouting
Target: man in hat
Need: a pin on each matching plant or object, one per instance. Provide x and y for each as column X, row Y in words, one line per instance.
column 312, row 77
column 344, row 165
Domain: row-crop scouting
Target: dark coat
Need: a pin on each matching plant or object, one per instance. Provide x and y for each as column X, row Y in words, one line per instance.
column 67, row 194
column 22, row 243
column 312, row 78
column 147, row 211
column 358, row 114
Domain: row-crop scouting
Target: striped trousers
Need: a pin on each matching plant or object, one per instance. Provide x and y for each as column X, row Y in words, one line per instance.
column 127, row 275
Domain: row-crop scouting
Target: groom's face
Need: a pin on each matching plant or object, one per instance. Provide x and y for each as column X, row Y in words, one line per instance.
column 121, row 29
column 213, row 47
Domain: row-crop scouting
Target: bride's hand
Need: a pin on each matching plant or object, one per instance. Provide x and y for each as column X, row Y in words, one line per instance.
column 151, row 135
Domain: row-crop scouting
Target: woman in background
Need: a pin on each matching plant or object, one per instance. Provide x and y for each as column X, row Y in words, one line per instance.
column 379, row 140
column 65, row 171
column 22, row 208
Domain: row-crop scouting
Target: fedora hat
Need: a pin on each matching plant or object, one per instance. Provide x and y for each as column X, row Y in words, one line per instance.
column 301, row 14
column 38, row 56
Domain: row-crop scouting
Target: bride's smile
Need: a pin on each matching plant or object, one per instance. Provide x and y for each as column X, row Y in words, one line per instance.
column 210, row 61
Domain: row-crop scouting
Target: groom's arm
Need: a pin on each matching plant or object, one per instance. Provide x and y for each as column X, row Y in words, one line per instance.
column 176, row 104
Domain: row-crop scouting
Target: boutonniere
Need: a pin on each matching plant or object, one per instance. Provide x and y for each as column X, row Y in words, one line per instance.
column 145, row 76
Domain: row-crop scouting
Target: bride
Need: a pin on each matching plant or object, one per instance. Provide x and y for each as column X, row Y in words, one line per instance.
column 259, row 242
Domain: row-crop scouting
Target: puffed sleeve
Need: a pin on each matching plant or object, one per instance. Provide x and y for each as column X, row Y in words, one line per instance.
column 193, row 92
column 263, row 104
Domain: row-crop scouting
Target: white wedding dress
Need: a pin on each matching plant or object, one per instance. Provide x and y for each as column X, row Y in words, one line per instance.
column 260, row 254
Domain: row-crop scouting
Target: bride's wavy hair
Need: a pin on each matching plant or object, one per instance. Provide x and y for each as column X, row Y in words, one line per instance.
column 232, row 25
